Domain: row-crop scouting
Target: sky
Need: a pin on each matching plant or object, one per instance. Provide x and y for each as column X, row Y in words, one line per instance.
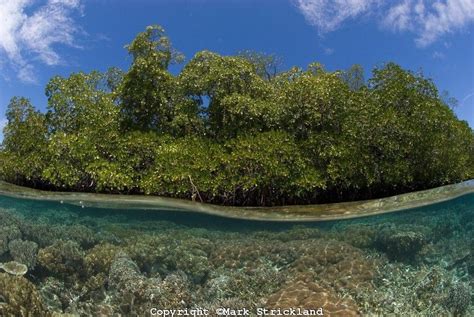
column 43, row 38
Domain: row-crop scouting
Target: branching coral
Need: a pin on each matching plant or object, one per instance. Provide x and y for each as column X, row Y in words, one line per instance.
column 64, row 259
column 18, row 297
column 24, row 252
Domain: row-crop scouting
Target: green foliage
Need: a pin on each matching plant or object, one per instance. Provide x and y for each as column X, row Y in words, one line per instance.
column 235, row 130
column 26, row 128
column 313, row 101
column 244, row 114
column 77, row 104
column 421, row 136
column 184, row 167
column 266, row 66
column 68, row 156
column 222, row 81
column 401, row 89
column 154, row 44
column 21, row 158
column 268, row 168
column 354, row 77
column 147, row 89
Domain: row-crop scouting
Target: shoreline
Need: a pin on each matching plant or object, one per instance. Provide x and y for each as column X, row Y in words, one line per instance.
column 293, row 213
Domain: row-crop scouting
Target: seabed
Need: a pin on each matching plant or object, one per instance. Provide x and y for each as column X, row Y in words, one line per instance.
column 75, row 254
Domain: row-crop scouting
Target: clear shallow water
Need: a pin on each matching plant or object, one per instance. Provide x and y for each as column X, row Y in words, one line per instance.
column 91, row 261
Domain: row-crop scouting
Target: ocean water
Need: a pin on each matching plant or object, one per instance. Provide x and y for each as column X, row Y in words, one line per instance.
column 86, row 261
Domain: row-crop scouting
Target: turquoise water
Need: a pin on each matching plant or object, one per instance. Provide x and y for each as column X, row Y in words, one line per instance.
column 118, row 262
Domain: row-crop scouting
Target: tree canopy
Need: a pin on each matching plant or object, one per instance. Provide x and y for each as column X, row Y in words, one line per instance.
column 237, row 130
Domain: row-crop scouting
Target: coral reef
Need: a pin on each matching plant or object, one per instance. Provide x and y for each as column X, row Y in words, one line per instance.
column 310, row 295
column 249, row 285
column 401, row 245
column 24, row 252
column 101, row 263
column 336, row 263
column 100, row 258
column 45, row 234
column 14, row 268
column 458, row 299
column 63, row 259
column 163, row 254
column 7, row 234
column 19, row 297
column 55, row 295
column 297, row 233
column 358, row 235
column 137, row 294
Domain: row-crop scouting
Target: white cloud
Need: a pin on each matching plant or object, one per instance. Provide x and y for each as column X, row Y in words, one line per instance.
column 428, row 20
column 328, row 15
column 27, row 37
column 444, row 17
column 398, row 17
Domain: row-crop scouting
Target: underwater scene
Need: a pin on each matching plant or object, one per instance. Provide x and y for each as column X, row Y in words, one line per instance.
column 60, row 259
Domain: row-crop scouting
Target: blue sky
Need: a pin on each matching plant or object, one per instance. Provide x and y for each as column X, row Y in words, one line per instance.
column 42, row 38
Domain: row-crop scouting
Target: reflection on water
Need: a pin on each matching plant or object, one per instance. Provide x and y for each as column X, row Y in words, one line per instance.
column 91, row 261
